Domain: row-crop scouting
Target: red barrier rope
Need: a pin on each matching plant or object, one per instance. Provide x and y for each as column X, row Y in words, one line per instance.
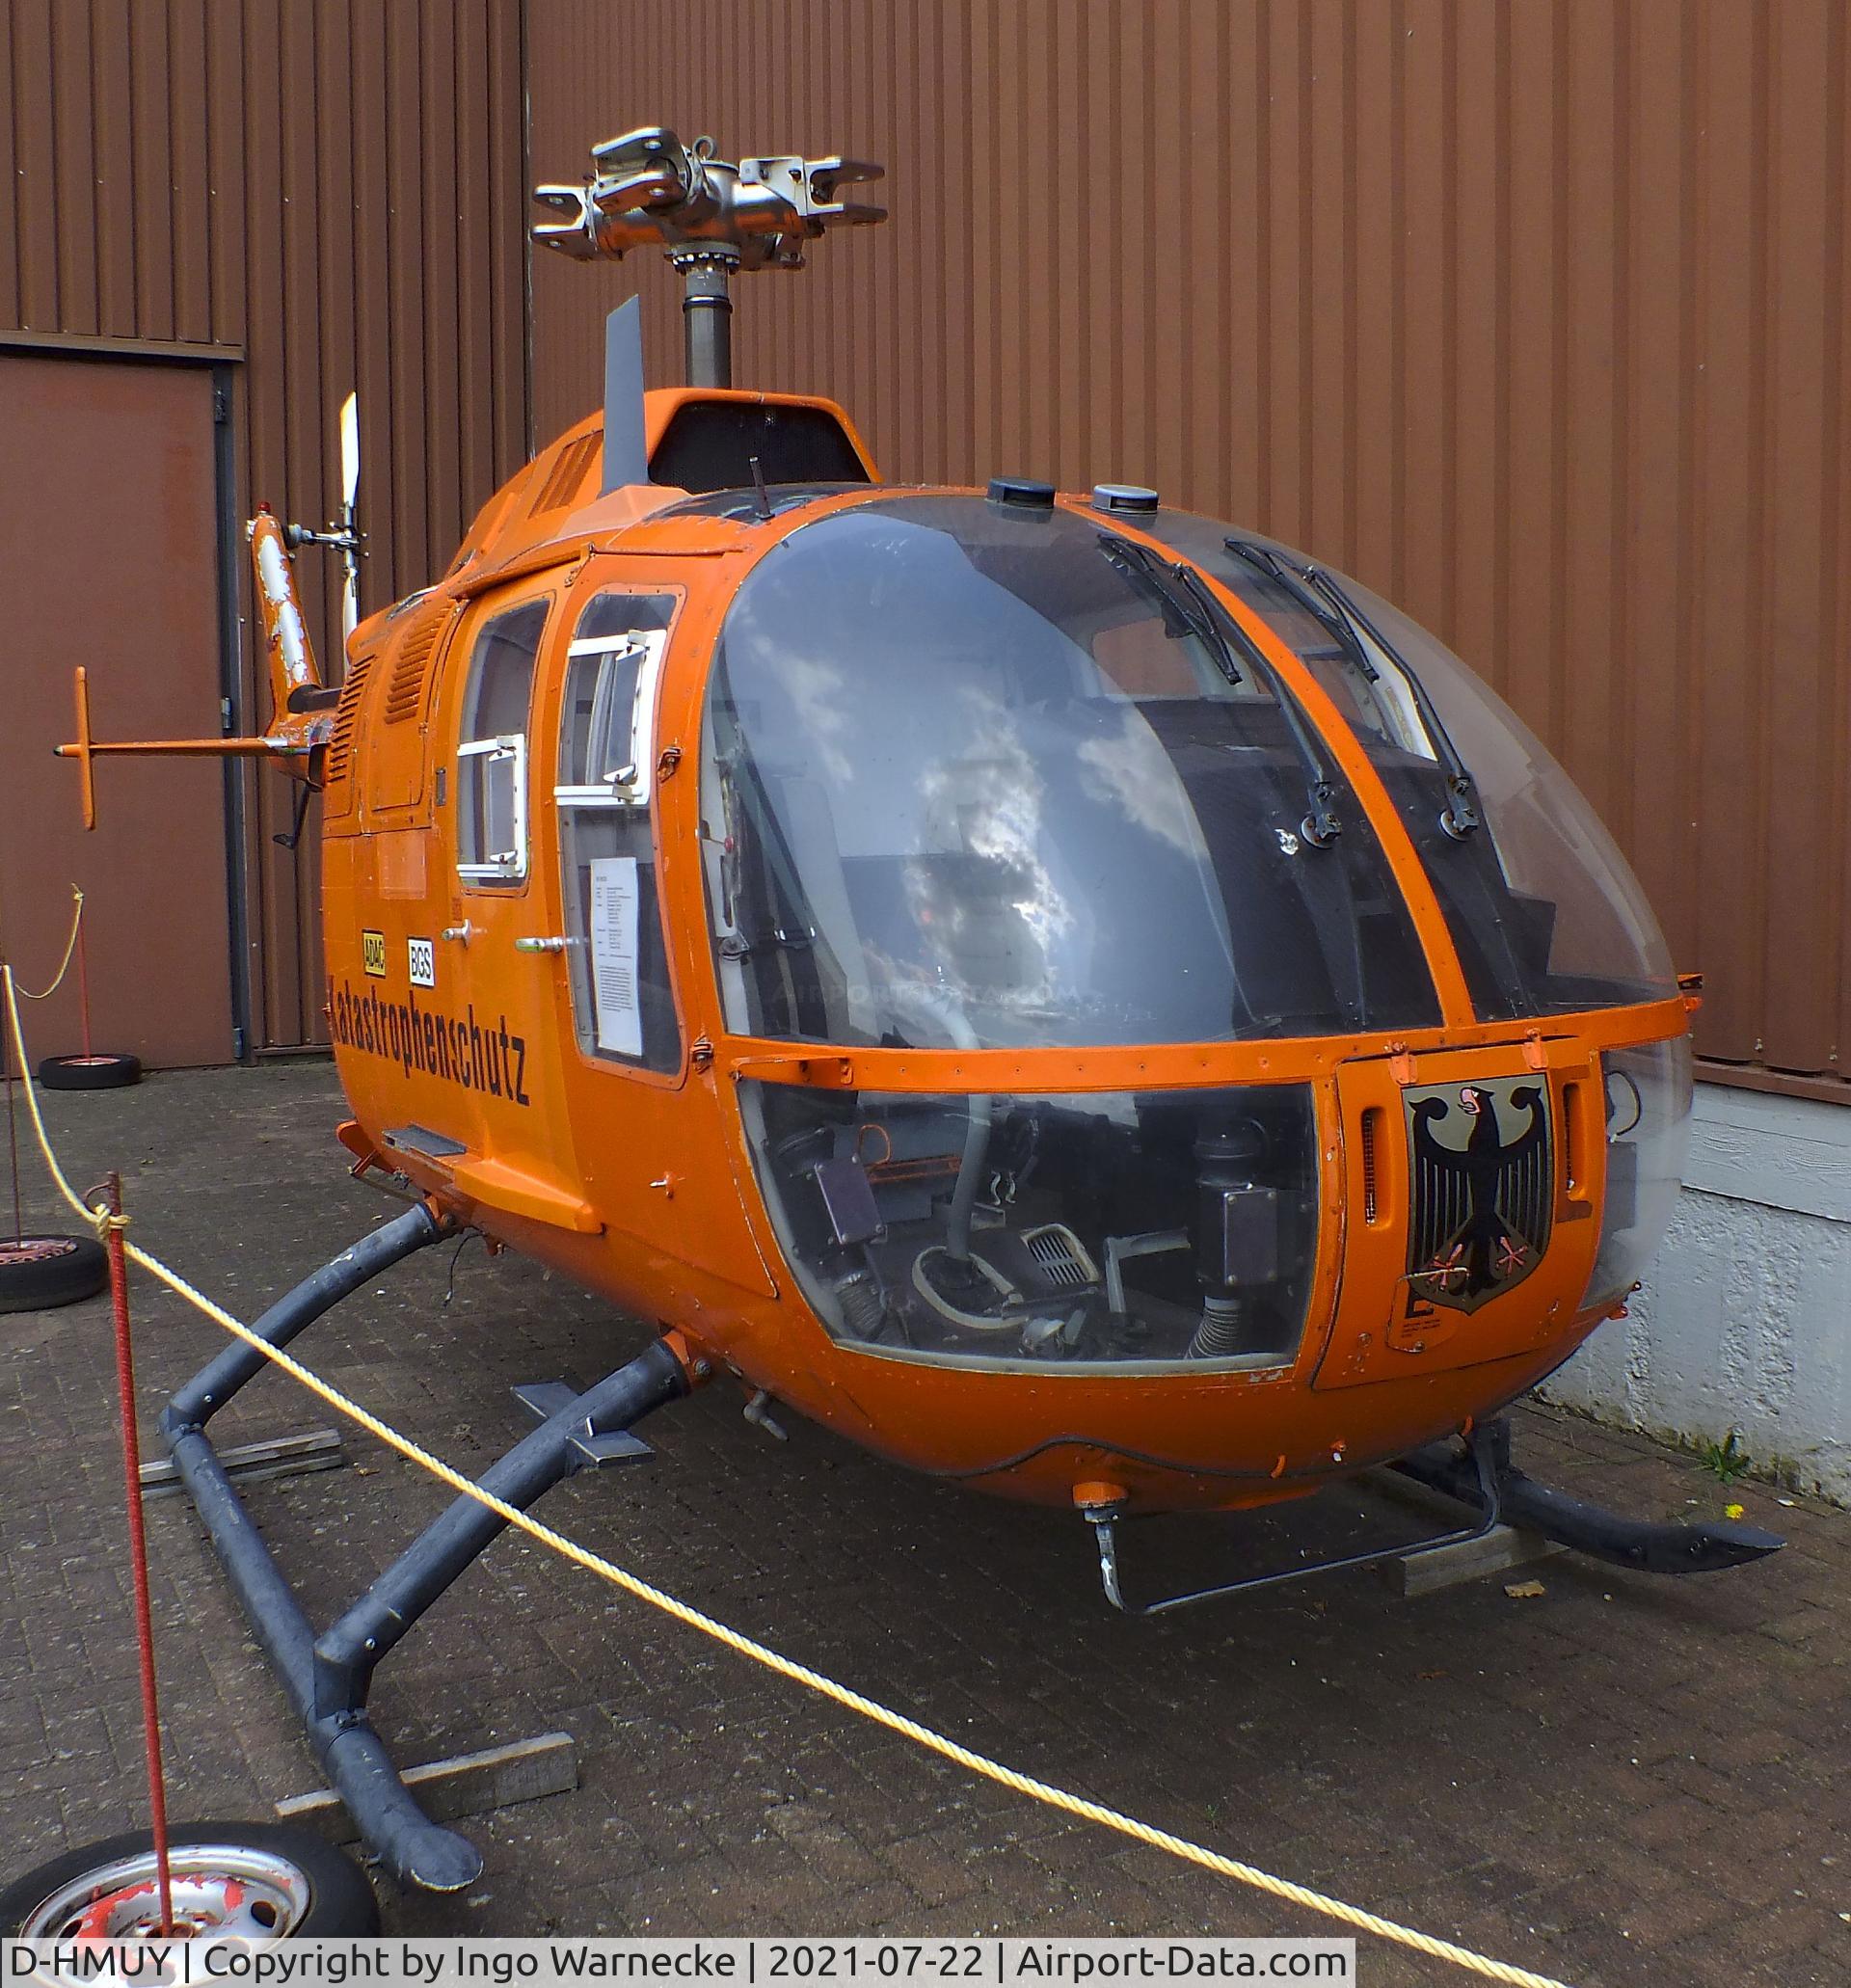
column 138, row 1544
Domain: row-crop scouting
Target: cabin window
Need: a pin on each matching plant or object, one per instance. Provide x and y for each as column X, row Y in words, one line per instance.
column 492, row 749
column 622, row 1002
column 975, row 779
column 1129, row 1231
column 1544, row 914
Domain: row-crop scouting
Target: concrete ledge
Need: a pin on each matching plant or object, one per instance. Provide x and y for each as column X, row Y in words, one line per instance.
column 1779, row 1152
column 1744, row 1323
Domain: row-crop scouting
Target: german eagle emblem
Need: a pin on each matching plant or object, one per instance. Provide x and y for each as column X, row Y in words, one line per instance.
column 1482, row 1187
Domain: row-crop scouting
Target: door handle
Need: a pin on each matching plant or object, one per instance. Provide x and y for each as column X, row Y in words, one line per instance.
column 545, row 944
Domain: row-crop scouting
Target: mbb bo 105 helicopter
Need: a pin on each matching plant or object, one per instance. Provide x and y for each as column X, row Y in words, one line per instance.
column 1072, row 995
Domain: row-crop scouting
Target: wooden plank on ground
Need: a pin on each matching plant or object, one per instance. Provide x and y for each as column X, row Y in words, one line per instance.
column 1429, row 1569
column 246, row 1463
column 463, row 1785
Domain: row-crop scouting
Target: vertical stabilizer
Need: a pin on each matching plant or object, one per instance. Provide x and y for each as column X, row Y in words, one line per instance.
column 626, row 451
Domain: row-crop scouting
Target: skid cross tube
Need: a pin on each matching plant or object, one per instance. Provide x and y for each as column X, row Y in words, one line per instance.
column 1478, row 1462
column 220, row 1378
column 1482, row 1474
column 325, row 1680
column 346, row 1655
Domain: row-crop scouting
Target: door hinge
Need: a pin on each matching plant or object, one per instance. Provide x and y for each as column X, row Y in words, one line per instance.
column 221, row 406
column 669, row 759
column 237, row 1045
column 701, row 1055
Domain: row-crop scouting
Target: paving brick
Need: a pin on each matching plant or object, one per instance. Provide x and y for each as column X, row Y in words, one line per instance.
column 1626, row 1783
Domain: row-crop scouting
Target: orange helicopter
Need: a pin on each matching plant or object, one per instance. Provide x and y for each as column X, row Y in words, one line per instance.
column 1078, row 998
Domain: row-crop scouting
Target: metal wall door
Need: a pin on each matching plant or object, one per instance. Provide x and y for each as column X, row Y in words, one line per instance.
column 109, row 557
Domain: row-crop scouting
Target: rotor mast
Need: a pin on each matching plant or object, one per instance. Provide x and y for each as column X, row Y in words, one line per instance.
column 710, row 216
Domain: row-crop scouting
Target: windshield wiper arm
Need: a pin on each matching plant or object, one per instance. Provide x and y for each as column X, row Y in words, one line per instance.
column 1176, row 584
column 1266, row 563
column 1460, row 816
column 1182, row 612
column 1322, row 597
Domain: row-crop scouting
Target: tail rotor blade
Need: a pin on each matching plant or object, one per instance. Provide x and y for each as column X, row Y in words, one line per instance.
column 349, row 491
column 349, row 449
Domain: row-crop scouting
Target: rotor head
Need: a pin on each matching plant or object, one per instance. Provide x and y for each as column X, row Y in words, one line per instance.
column 648, row 189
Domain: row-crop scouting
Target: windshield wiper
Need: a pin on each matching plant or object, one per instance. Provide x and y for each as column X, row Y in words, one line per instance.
column 1268, row 564
column 1179, row 590
column 1182, row 612
column 1324, row 598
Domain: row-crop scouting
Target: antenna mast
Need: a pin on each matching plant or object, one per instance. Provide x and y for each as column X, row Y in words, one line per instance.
column 710, row 216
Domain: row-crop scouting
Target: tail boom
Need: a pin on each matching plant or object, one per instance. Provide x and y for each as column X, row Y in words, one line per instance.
column 304, row 706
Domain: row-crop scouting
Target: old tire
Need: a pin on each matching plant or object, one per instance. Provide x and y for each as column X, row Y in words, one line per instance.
column 89, row 1072
column 251, row 1880
column 38, row 1272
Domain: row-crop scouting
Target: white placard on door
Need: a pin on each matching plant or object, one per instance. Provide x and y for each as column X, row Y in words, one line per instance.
column 613, row 955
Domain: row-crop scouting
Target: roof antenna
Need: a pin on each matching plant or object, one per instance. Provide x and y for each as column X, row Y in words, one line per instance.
column 758, row 484
column 626, row 451
column 710, row 216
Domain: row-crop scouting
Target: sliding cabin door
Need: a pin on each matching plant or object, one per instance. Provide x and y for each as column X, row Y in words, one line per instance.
column 498, row 956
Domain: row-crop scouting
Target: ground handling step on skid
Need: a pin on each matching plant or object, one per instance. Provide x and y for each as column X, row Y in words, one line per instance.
column 180, row 1963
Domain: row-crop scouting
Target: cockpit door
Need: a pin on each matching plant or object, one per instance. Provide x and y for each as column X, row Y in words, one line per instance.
column 650, row 1143
column 1467, row 1174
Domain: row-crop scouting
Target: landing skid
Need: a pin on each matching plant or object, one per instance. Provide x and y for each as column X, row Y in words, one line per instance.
column 327, row 1677
column 1705, row 1547
column 1481, row 1474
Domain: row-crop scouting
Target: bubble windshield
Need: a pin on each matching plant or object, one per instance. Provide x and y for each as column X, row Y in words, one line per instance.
column 1544, row 911
column 975, row 776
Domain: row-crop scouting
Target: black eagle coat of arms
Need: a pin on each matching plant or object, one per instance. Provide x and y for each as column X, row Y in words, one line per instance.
column 1481, row 1188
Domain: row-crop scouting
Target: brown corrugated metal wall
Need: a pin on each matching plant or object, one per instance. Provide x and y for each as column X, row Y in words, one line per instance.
column 334, row 191
column 1530, row 315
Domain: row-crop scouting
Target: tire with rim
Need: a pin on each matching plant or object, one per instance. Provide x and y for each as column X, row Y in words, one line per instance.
column 89, row 1072
column 244, row 1880
column 38, row 1272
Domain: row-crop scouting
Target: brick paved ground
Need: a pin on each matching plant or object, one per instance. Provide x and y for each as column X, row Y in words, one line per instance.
column 1624, row 1782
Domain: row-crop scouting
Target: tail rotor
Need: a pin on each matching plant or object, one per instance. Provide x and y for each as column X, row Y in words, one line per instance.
column 340, row 534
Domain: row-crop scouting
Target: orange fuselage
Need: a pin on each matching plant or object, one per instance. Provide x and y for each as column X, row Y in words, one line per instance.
column 467, row 1072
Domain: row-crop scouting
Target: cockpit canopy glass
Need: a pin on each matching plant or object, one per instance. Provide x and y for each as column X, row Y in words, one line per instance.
column 1544, row 910
column 976, row 777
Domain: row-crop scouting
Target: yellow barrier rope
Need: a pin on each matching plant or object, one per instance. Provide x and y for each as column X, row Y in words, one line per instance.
column 745, row 1646
column 71, row 947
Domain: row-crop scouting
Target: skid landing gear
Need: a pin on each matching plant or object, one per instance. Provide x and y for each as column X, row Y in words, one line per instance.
column 1707, row 1546
column 327, row 1677
column 1480, row 1473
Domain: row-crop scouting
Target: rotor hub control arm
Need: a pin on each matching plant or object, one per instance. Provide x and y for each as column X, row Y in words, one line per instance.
column 648, row 189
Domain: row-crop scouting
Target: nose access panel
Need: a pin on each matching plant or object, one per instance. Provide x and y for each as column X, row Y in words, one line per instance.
column 1481, row 1186
column 1467, row 1175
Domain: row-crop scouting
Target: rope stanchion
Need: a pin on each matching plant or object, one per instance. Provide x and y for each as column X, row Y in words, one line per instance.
column 110, row 1225
column 71, row 945
column 13, row 1124
column 1029, row 1785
